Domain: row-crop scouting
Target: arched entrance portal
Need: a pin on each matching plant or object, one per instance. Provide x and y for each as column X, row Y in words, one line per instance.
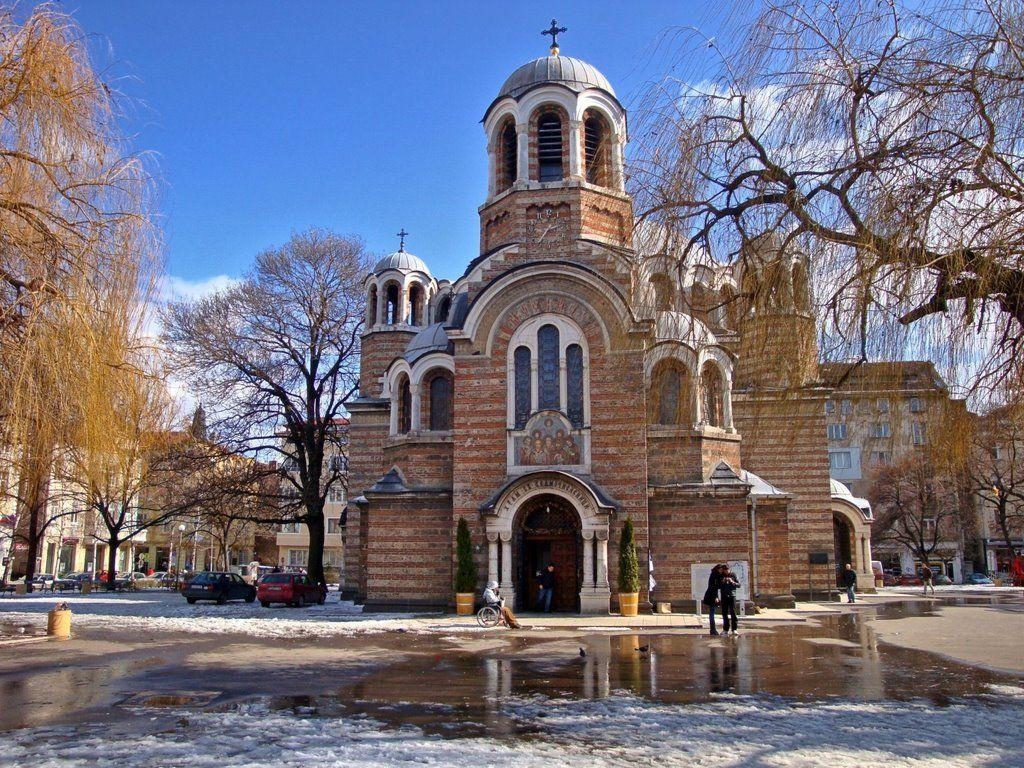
column 843, row 542
column 550, row 516
column 547, row 531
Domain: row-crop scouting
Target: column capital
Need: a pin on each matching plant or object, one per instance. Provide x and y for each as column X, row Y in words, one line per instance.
column 492, row 536
column 588, row 535
column 506, row 535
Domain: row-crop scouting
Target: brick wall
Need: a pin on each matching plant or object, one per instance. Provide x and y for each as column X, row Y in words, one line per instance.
column 425, row 460
column 784, row 442
column 685, row 455
column 379, row 349
column 408, row 551
column 695, row 525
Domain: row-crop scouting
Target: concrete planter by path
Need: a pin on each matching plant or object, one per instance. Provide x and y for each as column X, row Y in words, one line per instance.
column 628, row 603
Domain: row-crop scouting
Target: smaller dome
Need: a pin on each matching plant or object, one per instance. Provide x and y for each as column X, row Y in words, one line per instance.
column 565, row 70
column 430, row 339
column 402, row 260
column 679, row 326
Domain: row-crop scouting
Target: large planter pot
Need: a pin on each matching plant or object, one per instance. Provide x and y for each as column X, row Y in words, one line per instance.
column 629, row 603
column 464, row 603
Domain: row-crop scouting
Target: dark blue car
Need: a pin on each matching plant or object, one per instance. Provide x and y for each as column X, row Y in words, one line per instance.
column 219, row 586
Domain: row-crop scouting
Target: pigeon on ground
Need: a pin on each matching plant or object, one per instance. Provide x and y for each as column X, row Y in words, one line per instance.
column 582, row 652
column 643, row 649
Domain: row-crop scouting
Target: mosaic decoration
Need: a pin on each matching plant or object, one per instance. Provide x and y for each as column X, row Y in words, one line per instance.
column 548, row 442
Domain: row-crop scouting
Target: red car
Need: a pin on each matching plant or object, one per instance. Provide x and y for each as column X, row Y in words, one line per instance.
column 291, row 588
column 910, row 580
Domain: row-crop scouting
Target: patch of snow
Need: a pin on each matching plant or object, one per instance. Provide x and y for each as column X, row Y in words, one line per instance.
column 620, row 731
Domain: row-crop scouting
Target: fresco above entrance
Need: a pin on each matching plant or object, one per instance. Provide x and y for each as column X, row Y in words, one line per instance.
column 547, row 441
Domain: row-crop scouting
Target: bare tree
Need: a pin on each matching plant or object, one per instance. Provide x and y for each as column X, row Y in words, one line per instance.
column 917, row 506
column 996, row 468
column 882, row 139
column 278, row 356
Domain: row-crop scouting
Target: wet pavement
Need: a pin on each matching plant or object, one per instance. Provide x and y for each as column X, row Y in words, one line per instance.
column 453, row 683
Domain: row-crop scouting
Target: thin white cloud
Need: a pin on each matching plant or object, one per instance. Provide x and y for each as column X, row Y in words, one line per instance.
column 179, row 288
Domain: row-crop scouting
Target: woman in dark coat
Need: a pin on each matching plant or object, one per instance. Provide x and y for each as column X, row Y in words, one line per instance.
column 711, row 597
column 728, row 587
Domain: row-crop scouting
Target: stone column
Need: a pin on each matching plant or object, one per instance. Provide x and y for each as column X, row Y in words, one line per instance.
column 414, row 416
column 492, row 557
column 588, row 559
column 393, row 422
column 523, row 137
column 602, row 560
column 727, row 405
column 507, row 588
column 492, row 167
column 617, row 170
column 575, row 148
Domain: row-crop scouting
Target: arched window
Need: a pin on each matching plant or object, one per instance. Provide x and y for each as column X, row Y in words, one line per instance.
column 416, row 304
column 441, row 402
column 508, row 156
column 549, row 147
column 595, row 142
column 711, row 389
column 522, row 386
column 574, row 384
column 404, row 407
column 547, row 366
column 444, row 306
column 393, row 297
column 663, row 294
column 371, row 306
column 671, row 399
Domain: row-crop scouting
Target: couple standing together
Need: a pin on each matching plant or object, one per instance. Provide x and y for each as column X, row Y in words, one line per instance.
column 721, row 593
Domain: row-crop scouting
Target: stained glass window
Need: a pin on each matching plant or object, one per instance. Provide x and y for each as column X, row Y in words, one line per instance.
column 574, row 384
column 547, row 357
column 522, row 385
column 440, row 403
column 404, row 408
column 668, row 402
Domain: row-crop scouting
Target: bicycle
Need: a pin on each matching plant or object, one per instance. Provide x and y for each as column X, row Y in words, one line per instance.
column 490, row 616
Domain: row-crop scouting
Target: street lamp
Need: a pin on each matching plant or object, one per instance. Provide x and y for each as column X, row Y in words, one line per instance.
column 174, row 562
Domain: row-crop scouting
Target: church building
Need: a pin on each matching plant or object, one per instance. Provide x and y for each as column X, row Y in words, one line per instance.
column 572, row 379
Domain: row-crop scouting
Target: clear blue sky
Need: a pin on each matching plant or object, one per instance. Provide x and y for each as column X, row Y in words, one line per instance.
column 271, row 117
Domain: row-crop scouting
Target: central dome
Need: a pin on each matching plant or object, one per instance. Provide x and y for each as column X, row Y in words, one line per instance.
column 401, row 260
column 564, row 70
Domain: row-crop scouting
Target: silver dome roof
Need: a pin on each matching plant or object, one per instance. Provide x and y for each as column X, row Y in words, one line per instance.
column 402, row 260
column 430, row 339
column 565, row 70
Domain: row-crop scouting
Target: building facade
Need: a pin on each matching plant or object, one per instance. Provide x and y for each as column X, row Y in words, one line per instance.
column 578, row 375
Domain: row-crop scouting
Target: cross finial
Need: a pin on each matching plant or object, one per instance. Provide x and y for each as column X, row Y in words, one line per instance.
column 555, row 31
column 401, row 242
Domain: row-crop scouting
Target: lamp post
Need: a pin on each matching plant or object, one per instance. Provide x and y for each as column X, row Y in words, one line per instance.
column 174, row 562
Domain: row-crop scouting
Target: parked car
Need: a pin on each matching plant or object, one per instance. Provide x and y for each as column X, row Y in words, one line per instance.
column 890, row 579
column 910, row 580
column 220, row 586
column 291, row 588
column 940, row 579
column 978, row 579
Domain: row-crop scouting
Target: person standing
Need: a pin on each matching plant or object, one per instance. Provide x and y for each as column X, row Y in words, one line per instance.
column 926, row 579
column 711, row 596
column 547, row 588
column 850, row 583
column 727, row 588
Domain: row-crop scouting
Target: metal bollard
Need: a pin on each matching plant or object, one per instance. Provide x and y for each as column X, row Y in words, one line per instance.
column 58, row 622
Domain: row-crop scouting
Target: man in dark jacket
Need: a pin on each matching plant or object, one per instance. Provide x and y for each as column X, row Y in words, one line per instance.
column 850, row 583
column 547, row 588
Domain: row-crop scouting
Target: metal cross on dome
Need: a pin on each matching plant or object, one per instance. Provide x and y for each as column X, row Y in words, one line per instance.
column 555, row 31
column 401, row 243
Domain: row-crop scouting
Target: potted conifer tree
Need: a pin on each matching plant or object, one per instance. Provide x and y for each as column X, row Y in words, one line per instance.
column 465, row 571
column 629, row 572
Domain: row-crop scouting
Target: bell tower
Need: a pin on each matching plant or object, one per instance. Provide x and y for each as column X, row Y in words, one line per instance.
column 556, row 134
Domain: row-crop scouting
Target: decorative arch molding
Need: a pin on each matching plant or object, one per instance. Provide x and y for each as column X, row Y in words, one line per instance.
column 495, row 290
column 400, row 370
column 669, row 350
column 593, row 508
column 860, row 526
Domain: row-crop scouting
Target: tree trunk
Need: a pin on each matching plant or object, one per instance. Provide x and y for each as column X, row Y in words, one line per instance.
column 315, row 564
column 1004, row 526
column 112, row 546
